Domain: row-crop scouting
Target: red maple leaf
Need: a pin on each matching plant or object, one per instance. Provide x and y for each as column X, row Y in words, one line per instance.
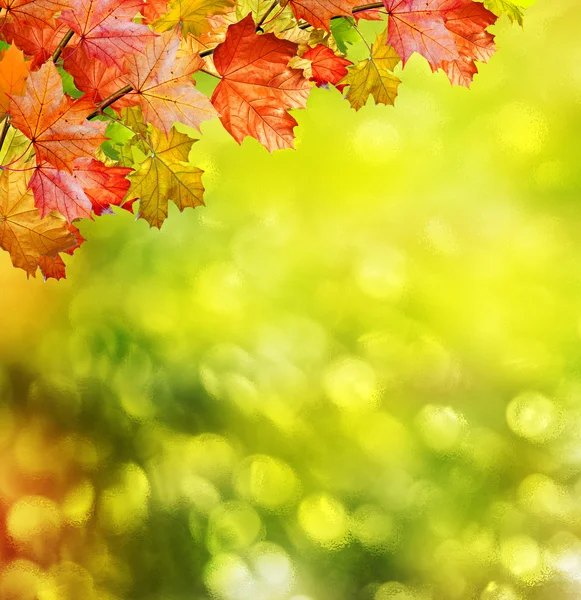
column 104, row 186
column 96, row 78
column 38, row 40
column 258, row 87
column 91, row 187
column 450, row 34
column 468, row 23
column 105, row 29
column 326, row 66
column 23, row 13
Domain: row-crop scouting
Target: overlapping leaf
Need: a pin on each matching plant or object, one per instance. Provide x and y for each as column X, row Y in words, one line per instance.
column 192, row 15
column 163, row 87
column 55, row 124
column 320, row 12
column 165, row 175
column 23, row 13
column 97, row 79
column 505, row 7
column 105, row 29
column 324, row 66
column 13, row 73
column 23, row 233
column 374, row 76
column 38, row 40
column 450, row 34
column 258, row 87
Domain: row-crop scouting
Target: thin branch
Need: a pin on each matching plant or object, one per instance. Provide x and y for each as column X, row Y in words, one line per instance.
column 365, row 7
column 265, row 16
column 4, row 132
column 125, row 90
column 110, row 100
column 66, row 39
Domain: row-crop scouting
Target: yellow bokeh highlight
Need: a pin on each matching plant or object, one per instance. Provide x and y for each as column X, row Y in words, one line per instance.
column 533, row 416
column 324, row 520
column 268, row 482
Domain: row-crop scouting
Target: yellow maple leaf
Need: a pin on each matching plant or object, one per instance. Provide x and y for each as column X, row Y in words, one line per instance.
column 165, row 175
column 373, row 76
column 192, row 15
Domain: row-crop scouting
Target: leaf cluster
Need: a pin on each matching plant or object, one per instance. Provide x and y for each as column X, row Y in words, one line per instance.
column 91, row 91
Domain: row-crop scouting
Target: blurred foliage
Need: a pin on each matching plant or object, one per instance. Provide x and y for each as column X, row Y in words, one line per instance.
column 355, row 375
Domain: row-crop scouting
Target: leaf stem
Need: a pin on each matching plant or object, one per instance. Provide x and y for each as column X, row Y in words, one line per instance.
column 265, row 16
column 110, row 100
column 66, row 39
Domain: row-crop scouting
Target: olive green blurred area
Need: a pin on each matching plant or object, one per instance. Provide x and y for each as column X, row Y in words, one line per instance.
column 354, row 375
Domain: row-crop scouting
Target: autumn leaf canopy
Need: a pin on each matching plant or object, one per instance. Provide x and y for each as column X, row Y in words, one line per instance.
column 100, row 100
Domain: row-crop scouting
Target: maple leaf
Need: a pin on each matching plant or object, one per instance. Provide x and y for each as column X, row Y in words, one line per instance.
column 104, row 186
column 258, row 87
column 166, row 175
column 499, row 7
column 105, row 29
column 53, row 267
column 325, row 66
column 13, row 73
column 163, row 87
column 23, row 13
column 468, row 25
column 91, row 187
column 192, row 15
column 58, row 190
column 447, row 33
column 37, row 40
column 320, row 12
column 55, row 124
column 96, row 78
column 419, row 26
column 191, row 44
column 153, row 9
column 373, row 76
column 23, row 233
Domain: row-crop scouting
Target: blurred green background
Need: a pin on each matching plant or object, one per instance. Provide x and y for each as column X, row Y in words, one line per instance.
column 356, row 374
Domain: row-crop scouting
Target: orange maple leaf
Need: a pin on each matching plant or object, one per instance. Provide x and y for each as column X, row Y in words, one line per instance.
column 23, row 233
column 54, row 123
column 53, row 267
column 38, row 39
column 163, row 86
column 13, row 73
column 320, row 12
column 258, row 87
